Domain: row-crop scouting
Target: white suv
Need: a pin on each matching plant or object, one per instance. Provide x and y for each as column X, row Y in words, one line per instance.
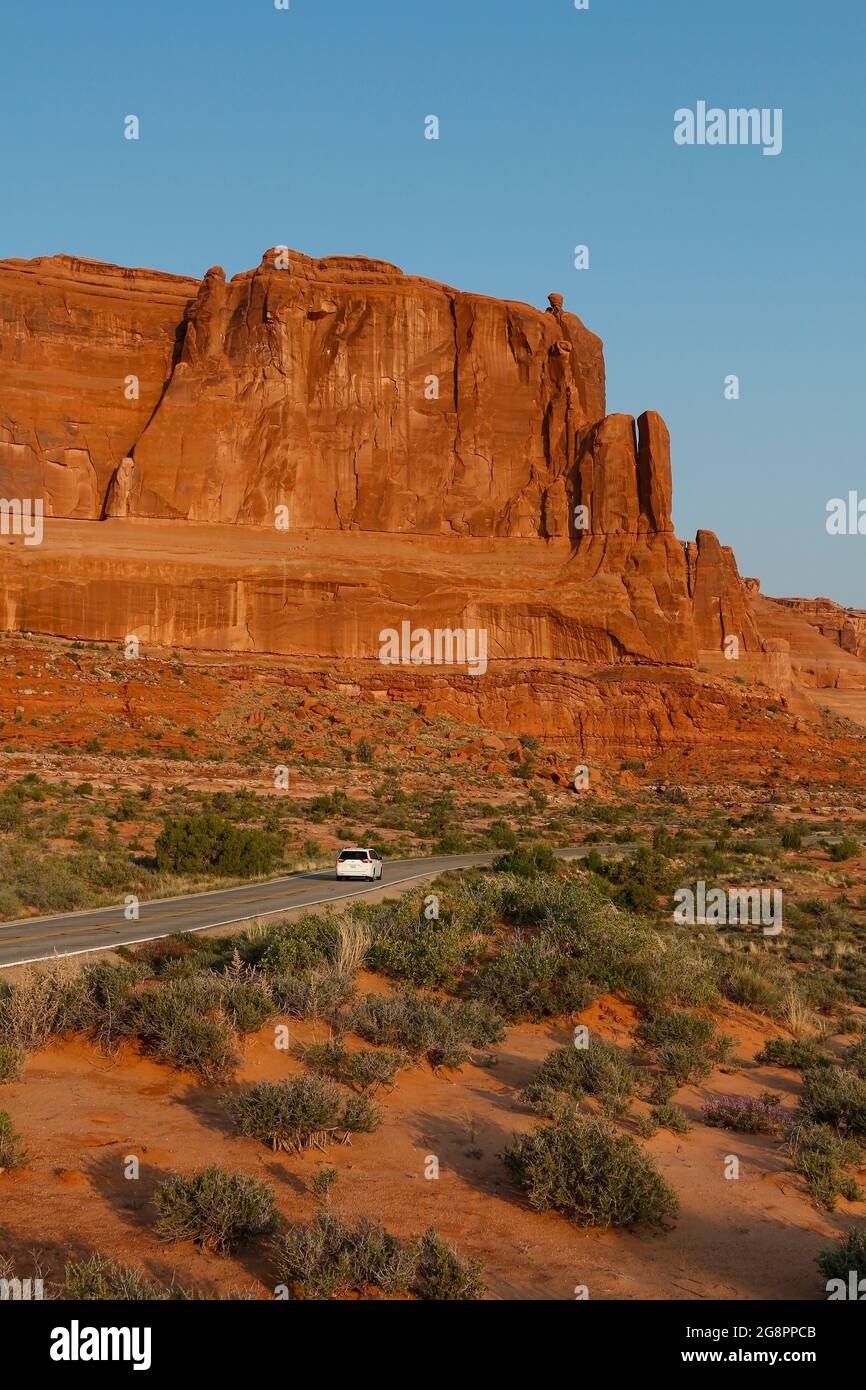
column 359, row 863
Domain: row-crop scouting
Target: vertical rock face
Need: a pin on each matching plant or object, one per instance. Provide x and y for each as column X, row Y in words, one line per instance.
column 721, row 603
column 624, row 476
column 72, row 335
column 358, row 398
column 340, row 396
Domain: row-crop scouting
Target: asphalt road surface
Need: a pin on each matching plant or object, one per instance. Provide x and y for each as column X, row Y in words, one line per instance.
column 73, row 933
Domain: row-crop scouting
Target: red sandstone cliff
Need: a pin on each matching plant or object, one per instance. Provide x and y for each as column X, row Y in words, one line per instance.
column 343, row 399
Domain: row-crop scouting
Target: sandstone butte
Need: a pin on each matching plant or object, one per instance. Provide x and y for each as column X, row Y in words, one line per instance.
column 424, row 452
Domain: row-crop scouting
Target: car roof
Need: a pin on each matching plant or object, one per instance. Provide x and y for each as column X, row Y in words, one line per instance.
column 363, row 849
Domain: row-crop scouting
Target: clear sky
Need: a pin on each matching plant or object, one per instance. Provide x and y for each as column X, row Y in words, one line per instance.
column 305, row 127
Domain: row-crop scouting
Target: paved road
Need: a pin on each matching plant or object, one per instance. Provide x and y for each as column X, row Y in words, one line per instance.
column 72, row 933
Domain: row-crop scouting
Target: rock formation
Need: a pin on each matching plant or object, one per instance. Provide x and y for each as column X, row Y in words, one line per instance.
column 297, row 458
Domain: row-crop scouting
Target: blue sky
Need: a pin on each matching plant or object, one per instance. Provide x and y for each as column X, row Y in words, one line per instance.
column 306, row 127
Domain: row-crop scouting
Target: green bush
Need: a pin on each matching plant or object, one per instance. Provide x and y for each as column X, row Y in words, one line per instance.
column 822, row 1155
column 102, row 1280
column 679, row 1041
column 530, row 979
column 846, row 1256
column 209, row 844
column 799, row 1056
column 181, row 1023
column 300, row 1114
column 846, row 848
column 527, row 861
column 294, row 947
column 365, row 1071
column 13, row 1150
column 445, row 1034
column 11, row 1061
column 599, row 1070
column 671, row 1117
column 406, row 946
column 313, row 994
column 215, row 1208
column 328, row 1258
column 593, row 1174
column 835, row 1096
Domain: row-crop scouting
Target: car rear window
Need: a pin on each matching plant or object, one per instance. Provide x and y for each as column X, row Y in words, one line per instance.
column 355, row 854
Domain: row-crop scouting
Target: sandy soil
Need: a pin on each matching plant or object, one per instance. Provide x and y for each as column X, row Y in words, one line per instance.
column 83, row 1114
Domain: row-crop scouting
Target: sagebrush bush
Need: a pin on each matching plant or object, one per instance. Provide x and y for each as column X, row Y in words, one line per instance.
column 835, row 1096
column 11, row 1061
column 181, row 1023
column 679, row 1041
column 300, row 1114
column 13, row 1150
column 328, row 1257
column 847, row 1256
column 594, row 1175
column 783, row 1052
column 291, row 948
column 427, row 954
column 446, row 1034
column 598, row 1070
column 821, row 1155
column 317, row 993
column 215, row 1208
column 103, row 1280
column 365, row 1071
column 530, row 979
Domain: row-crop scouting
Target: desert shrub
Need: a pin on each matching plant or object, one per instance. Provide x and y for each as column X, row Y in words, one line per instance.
column 527, row 861
column 821, row 1155
column 783, row 1052
column 531, row 979
column 599, row 1070
column 744, row 1114
column 679, row 1041
column 671, row 1117
column 835, row 1096
column 215, row 1208
column 13, row 1150
column 662, row 1089
column 593, row 1174
column 328, row 1257
column 406, row 946
column 754, row 989
column 791, row 838
column 855, row 1058
column 245, row 997
column 446, row 1034
column 313, row 994
column 293, row 947
column 209, row 844
column 103, row 1280
column 846, row 848
column 11, row 1061
column 442, row 1276
column 846, row 1256
column 300, row 1114
column 667, row 974
column 365, row 1071
column 181, row 1023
